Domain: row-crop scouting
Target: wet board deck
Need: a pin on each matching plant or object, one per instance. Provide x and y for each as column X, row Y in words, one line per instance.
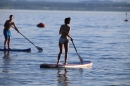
column 70, row 65
column 18, row 50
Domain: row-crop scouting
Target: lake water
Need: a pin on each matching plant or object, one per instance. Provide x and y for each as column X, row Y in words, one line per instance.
column 100, row 37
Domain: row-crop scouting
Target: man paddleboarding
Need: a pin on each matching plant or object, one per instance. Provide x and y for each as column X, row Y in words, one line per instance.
column 7, row 33
column 63, row 41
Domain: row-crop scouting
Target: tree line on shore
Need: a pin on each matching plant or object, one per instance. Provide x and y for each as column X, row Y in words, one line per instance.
column 81, row 6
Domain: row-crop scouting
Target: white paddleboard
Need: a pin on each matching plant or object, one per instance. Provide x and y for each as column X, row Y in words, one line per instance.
column 70, row 65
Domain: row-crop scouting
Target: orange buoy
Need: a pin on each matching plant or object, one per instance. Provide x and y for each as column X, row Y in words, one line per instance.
column 41, row 25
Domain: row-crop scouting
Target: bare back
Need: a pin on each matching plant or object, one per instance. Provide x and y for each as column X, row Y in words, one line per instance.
column 64, row 31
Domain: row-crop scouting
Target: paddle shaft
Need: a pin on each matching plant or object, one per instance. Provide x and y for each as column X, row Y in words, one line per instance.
column 28, row 39
column 81, row 59
column 40, row 49
column 126, row 15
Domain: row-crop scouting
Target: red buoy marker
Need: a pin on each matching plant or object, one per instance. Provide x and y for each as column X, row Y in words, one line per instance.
column 41, row 25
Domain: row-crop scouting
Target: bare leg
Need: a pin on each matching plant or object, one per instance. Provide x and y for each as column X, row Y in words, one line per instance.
column 59, row 55
column 66, row 45
column 5, row 43
column 8, row 43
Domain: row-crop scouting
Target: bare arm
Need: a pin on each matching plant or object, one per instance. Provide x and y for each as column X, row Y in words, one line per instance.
column 15, row 27
column 5, row 24
column 60, row 32
column 69, row 35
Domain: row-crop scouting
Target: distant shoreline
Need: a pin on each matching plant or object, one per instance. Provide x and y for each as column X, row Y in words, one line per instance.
column 57, row 10
column 66, row 6
column 69, row 10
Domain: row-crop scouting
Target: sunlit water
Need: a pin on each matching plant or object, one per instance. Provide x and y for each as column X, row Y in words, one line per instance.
column 100, row 37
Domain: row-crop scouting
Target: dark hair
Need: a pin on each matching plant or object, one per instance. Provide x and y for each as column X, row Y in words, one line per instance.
column 10, row 16
column 67, row 20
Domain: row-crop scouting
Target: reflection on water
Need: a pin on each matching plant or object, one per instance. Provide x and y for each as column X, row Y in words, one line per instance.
column 6, row 61
column 62, row 77
column 6, row 54
column 63, row 74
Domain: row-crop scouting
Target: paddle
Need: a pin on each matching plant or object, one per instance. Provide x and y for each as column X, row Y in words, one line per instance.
column 126, row 18
column 39, row 48
column 80, row 58
column 126, row 15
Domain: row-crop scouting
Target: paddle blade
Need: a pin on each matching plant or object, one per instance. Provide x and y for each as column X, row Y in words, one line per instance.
column 81, row 59
column 39, row 49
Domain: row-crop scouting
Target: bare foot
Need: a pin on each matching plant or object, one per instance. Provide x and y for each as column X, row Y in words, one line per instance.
column 9, row 48
column 59, row 63
column 65, row 63
column 4, row 47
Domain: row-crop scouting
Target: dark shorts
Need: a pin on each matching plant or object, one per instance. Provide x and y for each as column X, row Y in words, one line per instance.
column 7, row 33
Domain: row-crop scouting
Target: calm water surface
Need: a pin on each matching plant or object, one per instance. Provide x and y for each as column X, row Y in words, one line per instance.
column 100, row 37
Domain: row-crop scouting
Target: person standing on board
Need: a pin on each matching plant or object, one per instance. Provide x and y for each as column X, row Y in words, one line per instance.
column 63, row 41
column 7, row 33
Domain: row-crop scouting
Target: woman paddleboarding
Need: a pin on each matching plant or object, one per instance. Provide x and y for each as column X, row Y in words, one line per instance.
column 63, row 41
